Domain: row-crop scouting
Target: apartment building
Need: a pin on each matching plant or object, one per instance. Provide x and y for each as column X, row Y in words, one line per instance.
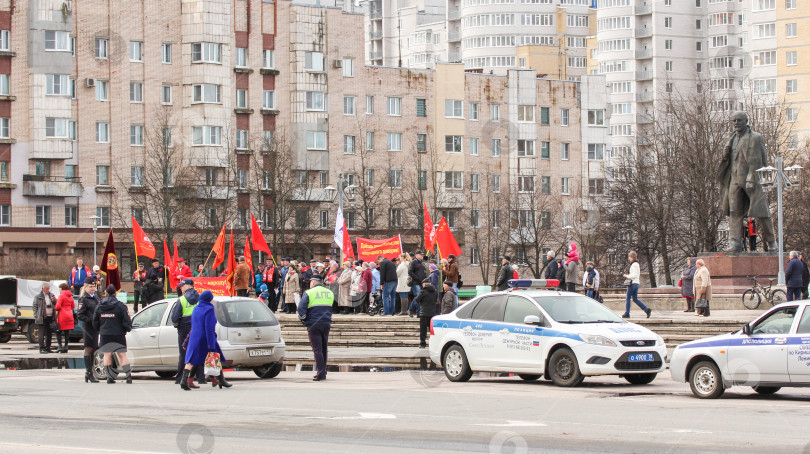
column 187, row 111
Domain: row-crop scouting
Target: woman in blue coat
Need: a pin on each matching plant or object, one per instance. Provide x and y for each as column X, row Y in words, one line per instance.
column 201, row 341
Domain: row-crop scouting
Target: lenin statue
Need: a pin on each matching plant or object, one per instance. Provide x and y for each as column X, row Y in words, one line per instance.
column 741, row 194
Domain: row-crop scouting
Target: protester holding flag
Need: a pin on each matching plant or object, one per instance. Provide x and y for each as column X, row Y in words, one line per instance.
column 154, row 281
column 200, row 272
column 139, row 278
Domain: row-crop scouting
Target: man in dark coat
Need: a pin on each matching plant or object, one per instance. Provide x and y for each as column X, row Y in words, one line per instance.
column 551, row 267
column 43, row 306
column 154, row 281
column 805, row 277
column 793, row 277
column 181, row 318
column 417, row 272
column 506, row 273
column 388, row 280
column 427, row 309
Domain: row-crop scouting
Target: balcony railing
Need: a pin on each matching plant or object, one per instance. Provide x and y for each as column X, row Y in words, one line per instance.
column 375, row 14
column 454, row 15
column 453, row 37
column 454, row 56
column 643, row 118
column 42, row 186
column 644, row 75
column 642, row 10
column 643, row 32
column 644, row 97
column 375, row 35
column 644, row 53
column 375, row 55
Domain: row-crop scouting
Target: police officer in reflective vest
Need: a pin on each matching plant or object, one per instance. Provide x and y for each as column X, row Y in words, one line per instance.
column 315, row 311
column 181, row 317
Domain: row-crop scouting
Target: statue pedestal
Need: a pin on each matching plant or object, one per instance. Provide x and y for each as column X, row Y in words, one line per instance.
column 729, row 271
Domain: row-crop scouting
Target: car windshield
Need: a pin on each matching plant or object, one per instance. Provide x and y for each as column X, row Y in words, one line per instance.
column 576, row 309
column 242, row 313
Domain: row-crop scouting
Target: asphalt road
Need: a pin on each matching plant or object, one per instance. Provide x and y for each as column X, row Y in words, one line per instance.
column 45, row 411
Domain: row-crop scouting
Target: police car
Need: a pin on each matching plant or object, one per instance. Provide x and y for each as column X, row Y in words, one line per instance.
column 538, row 332
column 769, row 353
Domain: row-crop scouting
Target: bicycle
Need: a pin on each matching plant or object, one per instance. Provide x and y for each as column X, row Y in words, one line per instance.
column 752, row 297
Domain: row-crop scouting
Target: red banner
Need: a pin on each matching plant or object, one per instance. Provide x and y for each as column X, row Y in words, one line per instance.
column 217, row 285
column 368, row 250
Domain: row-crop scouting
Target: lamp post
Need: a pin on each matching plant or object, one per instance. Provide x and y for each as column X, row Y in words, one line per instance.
column 341, row 182
column 95, row 229
column 779, row 178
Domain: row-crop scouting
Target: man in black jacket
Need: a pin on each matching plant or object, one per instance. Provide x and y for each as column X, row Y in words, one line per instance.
column 388, row 281
column 112, row 321
column 506, row 273
column 427, row 309
column 417, row 272
column 551, row 267
column 154, row 281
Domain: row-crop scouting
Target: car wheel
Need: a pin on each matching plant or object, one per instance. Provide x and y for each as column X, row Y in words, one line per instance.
column 5, row 337
column 166, row 373
column 640, row 379
column 269, row 370
column 706, row 381
column 98, row 366
column 564, row 368
column 766, row 390
column 32, row 333
column 455, row 364
column 529, row 377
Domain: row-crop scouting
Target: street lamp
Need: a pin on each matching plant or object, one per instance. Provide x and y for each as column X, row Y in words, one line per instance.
column 95, row 229
column 778, row 178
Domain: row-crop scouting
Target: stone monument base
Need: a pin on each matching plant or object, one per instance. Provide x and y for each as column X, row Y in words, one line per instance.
column 729, row 271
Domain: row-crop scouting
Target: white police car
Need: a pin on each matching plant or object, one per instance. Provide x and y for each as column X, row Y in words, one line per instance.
column 532, row 332
column 769, row 353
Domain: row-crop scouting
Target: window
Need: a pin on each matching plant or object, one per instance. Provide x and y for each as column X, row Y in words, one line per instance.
column 348, row 144
column 421, row 142
column 668, row 66
column 135, row 92
column 316, row 140
column 475, row 218
column 4, row 170
column 206, row 53
column 268, row 59
column 454, row 180
column 315, row 100
column 453, row 108
column 765, row 58
column 545, row 184
column 369, row 105
column 668, row 44
column 475, row 256
column 395, row 178
column 421, row 108
column 242, row 179
column 496, row 183
column 348, row 67
column 394, row 106
column 566, row 186
column 166, row 95
column 102, row 175
column 544, row 116
column 210, row 176
column 777, row 322
column 43, row 215
column 4, row 84
column 323, row 219
column 369, row 178
column 474, row 111
column 102, row 48
column 596, row 186
column 473, row 146
column 525, row 147
column 135, row 51
column 596, row 151
column 102, row 132
column 765, row 31
column 56, row 128
column 764, row 5
column 525, row 183
column 136, row 135
column 792, row 114
column 166, row 53
column 564, row 117
column 453, row 144
column 668, row 22
column 241, row 139
column 167, row 137
column 71, row 216
column 57, row 41
column 496, row 221
column 791, row 30
column 102, row 92
column 474, row 182
column 565, row 151
column 5, row 40
column 241, row 98
column 370, row 140
column 136, row 176
column 394, row 141
column 348, row 105
column 206, row 93
column 525, row 113
column 791, row 4
column 792, row 86
column 240, row 59
column 370, row 217
column 450, row 217
column 421, row 179
column 313, row 61
column 791, row 58
column 495, row 111
column 596, row 118
column 206, row 135
column 55, row 84
column 4, row 128
column 211, row 217
column 496, row 147
column 42, row 168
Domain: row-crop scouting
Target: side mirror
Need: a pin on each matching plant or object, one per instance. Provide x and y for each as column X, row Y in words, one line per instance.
column 532, row 320
column 746, row 329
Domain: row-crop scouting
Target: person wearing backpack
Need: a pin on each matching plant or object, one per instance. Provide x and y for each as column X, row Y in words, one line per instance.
column 590, row 280
column 506, row 273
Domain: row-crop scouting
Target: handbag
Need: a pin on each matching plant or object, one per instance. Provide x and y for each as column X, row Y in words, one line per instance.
column 213, row 365
column 680, row 283
column 54, row 325
column 702, row 304
column 627, row 282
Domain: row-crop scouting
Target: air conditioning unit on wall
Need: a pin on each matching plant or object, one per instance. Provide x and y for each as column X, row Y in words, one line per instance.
column 90, row 82
column 337, row 63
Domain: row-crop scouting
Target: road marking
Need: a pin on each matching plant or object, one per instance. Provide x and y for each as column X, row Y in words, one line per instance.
column 72, row 449
column 361, row 416
column 516, row 424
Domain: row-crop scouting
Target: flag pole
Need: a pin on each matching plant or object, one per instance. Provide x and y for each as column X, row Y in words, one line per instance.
column 207, row 258
column 136, row 253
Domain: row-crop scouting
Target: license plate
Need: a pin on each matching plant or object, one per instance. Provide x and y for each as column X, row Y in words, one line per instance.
column 260, row 352
column 640, row 357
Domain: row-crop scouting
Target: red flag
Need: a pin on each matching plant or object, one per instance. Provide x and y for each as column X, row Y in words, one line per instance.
column 446, row 241
column 256, row 237
column 219, row 248
column 229, row 271
column 109, row 264
column 248, row 258
column 348, row 251
column 430, row 231
column 176, row 256
column 143, row 245
column 167, row 258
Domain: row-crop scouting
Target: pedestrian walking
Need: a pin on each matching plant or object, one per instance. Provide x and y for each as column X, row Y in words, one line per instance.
column 181, row 318
column 43, row 306
column 112, row 321
column 448, row 300
column 88, row 302
column 805, row 276
column 793, row 277
column 402, row 283
column 551, row 266
column 389, row 281
column 64, row 316
column 202, row 340
column 426, row 299
column 292, row 288
column 688, row 283
column 633, row 277
column 315, row 311
column 78, row 274
column 506, row 273
column 241, row 277
column 590, row 280
column 572, row 268
column 154, row 281
column 703, row 289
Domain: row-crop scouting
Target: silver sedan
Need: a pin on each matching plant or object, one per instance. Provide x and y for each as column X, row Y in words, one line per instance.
column 248, row 333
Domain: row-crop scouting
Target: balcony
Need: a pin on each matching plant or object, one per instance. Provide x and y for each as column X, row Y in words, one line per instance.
column 375, row 35
column 454, row 15
column 644, row 97
column 644, row 75
column 643, row 10
column 643, row 32
column 215, row 193
column 41, row 186
column 375, row 55
column 644, row 53
column 453, row 37
column 375, row 14
column 454, row 57
column 311, row 194
column 643, row 118
column 450, row 199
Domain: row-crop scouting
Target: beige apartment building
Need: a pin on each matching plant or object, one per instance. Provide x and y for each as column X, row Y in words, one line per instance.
column 199, row 113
